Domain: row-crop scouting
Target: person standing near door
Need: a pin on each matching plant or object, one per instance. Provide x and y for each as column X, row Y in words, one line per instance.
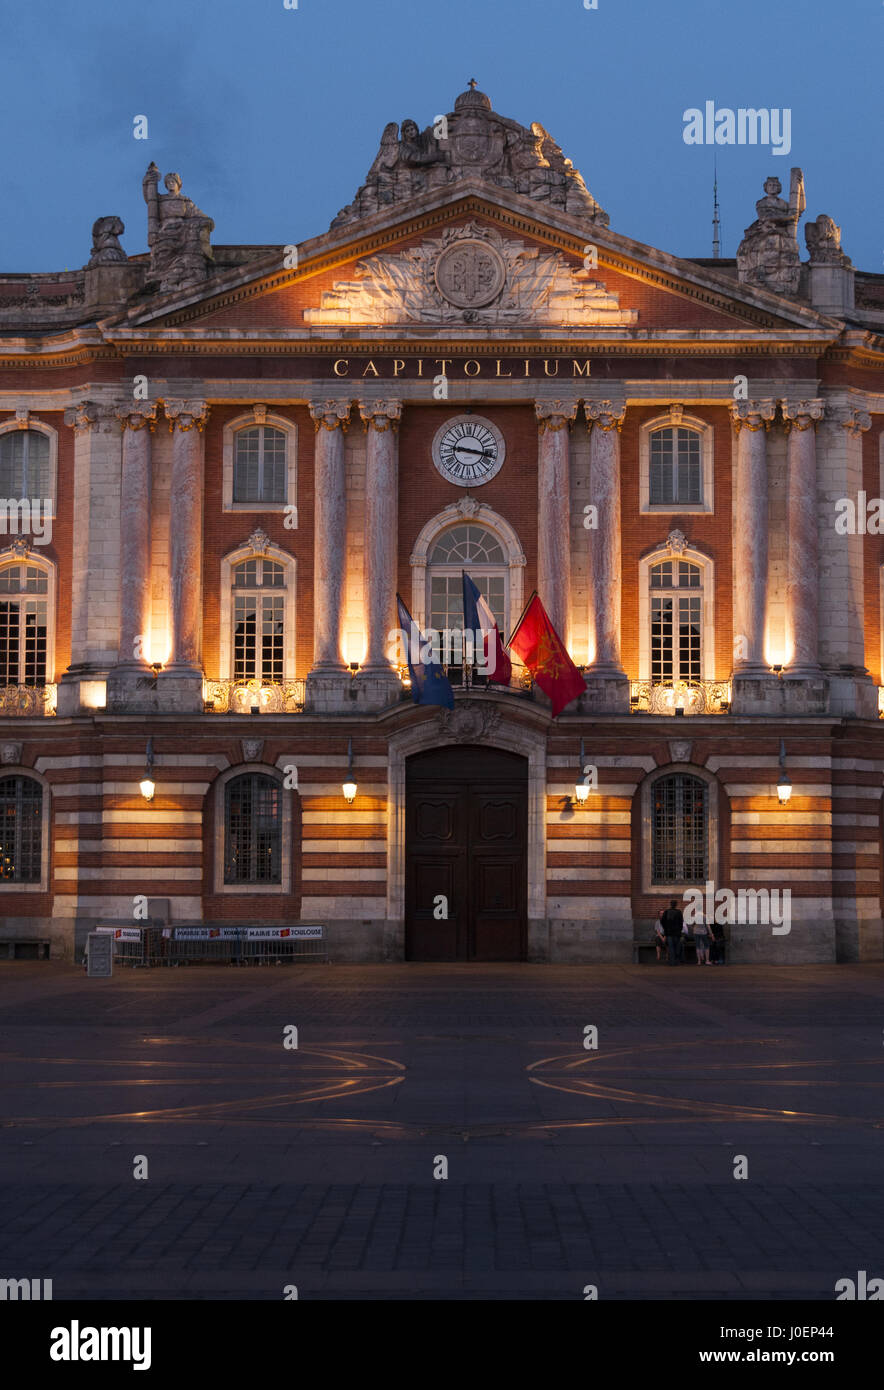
column 672, row 922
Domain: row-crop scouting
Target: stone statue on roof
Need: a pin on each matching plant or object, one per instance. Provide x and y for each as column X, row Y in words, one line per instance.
column 177, row 233
column 768, row 256
column 473, row 142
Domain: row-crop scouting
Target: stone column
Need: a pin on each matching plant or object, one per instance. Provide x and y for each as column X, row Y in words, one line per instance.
column 607, row 685
column 95, row 572
column 138, row 423
column 186, row 420
column 802, row 580
column 378, row 680
column 330, row 421
column 842, row 618
column 553, row 511
column 752, row 420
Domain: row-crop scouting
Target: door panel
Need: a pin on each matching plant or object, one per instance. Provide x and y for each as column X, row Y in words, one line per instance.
column 466, row 841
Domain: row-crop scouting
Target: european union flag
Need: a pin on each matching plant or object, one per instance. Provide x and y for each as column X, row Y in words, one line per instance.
column 429, row 683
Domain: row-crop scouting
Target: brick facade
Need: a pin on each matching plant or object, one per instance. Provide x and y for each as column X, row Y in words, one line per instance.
column 241, row 341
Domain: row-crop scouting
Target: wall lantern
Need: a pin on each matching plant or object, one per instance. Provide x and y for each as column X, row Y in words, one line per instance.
column 581, row 789
column 349, row 787
column 148, row 785
column 784, row 785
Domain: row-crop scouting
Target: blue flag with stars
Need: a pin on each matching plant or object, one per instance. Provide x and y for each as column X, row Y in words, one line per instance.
column 429, row 683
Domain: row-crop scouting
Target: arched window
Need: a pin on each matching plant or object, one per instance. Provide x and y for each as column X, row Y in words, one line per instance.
column 258, row 616
column 23, row 624
column 25, row 465
column 252, row 830
column 676, row 614
column 676, row 467
column 679, row 830
column 259, row 466
column 476, row 550
column 21, row 830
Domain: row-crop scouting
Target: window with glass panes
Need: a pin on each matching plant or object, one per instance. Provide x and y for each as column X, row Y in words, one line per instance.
column 252, row 830
column 676, row 467
column 258, row 620
column 23, row 618
column 259, row 465
column 24, row 464
column 21, row 829
column 676, row 622
column 476, row 550
column 679, row 839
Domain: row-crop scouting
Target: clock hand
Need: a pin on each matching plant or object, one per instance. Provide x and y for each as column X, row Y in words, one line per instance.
column 466, row 449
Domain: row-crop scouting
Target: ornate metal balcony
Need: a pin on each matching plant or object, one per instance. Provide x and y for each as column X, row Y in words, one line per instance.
column 254, row 696
column 27, row 700
column 693, row 697
column 466, row 677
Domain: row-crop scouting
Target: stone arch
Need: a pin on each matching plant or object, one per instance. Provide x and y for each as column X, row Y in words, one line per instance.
column 471, row 721
column 467, row 511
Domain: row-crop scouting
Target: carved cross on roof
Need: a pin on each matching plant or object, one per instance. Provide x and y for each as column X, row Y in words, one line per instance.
column 472, row 84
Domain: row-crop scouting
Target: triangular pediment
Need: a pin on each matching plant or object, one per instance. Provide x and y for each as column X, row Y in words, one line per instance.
column 467, row 257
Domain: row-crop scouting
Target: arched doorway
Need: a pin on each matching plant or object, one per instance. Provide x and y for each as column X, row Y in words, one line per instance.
column 466, row 834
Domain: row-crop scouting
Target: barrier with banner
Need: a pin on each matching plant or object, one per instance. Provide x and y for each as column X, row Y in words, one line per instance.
column 221, row 945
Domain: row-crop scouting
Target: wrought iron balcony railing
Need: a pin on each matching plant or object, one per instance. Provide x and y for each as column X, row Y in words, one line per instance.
column 692, row 697
column 27, row 700
column 467, row 677
column 254, row 697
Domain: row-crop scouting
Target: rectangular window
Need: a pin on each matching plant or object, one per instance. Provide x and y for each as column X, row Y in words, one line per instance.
column 679, row 844
column 259, row 471
column 676, row 467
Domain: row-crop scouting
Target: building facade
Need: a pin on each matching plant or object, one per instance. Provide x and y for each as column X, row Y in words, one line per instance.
column 221, row 463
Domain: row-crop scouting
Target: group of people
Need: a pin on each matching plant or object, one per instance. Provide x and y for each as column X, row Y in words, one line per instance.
column 670, row 932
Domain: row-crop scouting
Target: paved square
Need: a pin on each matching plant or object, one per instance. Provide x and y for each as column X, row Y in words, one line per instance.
column 269, row 1166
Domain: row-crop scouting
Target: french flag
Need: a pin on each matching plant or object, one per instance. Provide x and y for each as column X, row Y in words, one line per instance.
column 477, row 617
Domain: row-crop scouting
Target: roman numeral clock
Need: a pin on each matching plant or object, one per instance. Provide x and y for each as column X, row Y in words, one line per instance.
column 468, row 450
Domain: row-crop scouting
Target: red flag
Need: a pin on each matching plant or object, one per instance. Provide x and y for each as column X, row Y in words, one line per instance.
column 540, row 647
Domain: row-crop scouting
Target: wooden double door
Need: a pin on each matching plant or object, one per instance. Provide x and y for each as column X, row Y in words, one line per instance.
column 466, row 855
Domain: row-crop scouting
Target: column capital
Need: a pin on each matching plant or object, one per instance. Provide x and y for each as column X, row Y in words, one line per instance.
column 852, row 419
column 555, row 415
column 802, row 415
column 607, row 415
column 330, row 415
column 186, row 414
column 754, row 415
column 380, row 415
column 135, row 417
column 87, row 414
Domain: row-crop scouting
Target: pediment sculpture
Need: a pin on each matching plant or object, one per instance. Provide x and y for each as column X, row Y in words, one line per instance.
column 472, row 142
column 470, row 274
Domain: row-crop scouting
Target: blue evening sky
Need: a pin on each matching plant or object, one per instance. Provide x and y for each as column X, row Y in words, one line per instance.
column 273, row 116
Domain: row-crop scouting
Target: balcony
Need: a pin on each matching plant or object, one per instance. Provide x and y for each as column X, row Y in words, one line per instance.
column 467, row 677
column 683, row 697
column 254, row 697
column 27, row 701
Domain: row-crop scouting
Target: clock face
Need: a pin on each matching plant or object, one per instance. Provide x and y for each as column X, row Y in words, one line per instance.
column 468, row 450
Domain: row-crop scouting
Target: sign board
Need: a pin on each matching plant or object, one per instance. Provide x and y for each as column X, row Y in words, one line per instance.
column 300, row 933
column 101, row 954
column 121, row 933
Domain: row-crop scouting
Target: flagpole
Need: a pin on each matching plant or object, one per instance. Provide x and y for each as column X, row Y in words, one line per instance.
column 531, row 598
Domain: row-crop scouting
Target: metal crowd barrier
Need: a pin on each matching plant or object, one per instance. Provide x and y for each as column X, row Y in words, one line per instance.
column 215, row 943
column 250, row 944
column 131, row 944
